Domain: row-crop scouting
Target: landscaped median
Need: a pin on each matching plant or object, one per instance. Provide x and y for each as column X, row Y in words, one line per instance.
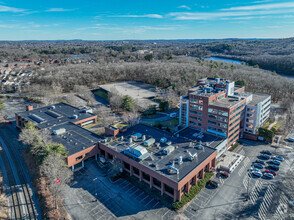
column 194, row 190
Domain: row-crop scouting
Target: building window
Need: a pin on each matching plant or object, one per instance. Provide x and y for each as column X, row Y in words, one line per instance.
column 79, row 158
column 156, row 182
column 127, row 166
column 136, row 171
column 192, row 181
column 183, row 188
column 168, row 189
column 146, row 176
column 110, row 156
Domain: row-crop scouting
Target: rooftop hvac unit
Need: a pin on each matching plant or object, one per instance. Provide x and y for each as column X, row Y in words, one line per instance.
column 169, row 143
column 180, row 160
column 168, row 150
column 122, row 138
column 163, row 140
column 143, row 137
column 130, row 140
column 75, row 116
column 59, row 131
column 149, row 142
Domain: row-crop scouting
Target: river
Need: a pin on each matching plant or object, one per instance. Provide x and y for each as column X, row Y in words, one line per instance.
column 240, row 62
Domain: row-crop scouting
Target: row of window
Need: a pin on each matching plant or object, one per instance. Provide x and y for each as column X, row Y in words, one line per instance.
column 196, row 101
column 218, row 124
column 197, row 107
column 195, row 118
column 233, row 134
column 232, row 123
column 234, row 127
column 218, row 130
column 195, row 112
column 238, row 108
column 195, row 123
column 235, row 116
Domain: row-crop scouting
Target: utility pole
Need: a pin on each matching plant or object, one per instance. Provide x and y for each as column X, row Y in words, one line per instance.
column 95, row 179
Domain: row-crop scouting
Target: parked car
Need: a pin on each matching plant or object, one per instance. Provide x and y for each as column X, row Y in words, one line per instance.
column 274, row 167
column 224, row 173
column 258, row 165
column 265, row 156
column 266, row 152
column 258, row 174
column 255, row 169
column 268, row 175
column 212, row 183
column 279, row 158
column 276, row 162
column 260, row 162
column 290, row 139
column 271, row 171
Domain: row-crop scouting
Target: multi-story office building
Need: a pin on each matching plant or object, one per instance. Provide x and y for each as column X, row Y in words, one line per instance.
column 257, row 112
column 217, row 106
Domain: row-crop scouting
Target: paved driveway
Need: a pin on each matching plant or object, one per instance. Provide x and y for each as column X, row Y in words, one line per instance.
column 114, row 200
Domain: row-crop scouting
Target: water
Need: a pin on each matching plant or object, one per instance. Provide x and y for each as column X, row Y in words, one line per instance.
column 223, row 59
column 240, row 62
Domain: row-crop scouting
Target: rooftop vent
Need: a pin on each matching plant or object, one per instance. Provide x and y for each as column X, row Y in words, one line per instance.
column 75, row 116
column 191, row 157
column 37, row 118
column 59, row 131
column 180, row 160
column 52, row 106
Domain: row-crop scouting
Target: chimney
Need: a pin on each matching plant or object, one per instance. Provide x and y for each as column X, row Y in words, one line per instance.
column 29, row 108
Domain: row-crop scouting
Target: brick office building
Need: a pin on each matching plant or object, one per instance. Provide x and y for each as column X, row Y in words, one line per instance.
column 217, row 106
column 167, row 163
column 65, row 125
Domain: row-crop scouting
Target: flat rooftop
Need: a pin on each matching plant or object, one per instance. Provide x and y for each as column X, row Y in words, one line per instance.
column 47, row 117
column 257, row 98
column 141, row 92
column 206, row 139
column 75, row 138
column 228, row 102
column 158, row 161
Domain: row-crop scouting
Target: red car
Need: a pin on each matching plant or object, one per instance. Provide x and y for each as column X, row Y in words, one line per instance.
column 272, row 172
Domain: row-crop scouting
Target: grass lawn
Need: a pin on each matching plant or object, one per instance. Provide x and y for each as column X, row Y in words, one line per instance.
column 101, row 94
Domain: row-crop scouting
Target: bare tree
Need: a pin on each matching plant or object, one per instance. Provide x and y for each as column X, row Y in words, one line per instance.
column 54, row 168
column 105, row 116
column 28, row 136
column 131, row 118
column 115, row 99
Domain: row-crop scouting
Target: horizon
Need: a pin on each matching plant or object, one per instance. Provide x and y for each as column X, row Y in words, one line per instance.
column 136, row 20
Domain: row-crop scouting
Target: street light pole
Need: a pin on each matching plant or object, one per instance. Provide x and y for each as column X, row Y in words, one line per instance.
column 95, row 179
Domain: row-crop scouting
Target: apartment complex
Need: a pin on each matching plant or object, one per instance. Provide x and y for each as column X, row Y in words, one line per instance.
column 65, row 124
column 218, row 106
column 165, row 162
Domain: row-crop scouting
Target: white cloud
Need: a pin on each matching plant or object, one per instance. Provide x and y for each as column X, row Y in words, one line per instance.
column 10, row 9
column 228, row 14
column 185, row 6
column 261, row 7
column 58, row 10
column 140, row 16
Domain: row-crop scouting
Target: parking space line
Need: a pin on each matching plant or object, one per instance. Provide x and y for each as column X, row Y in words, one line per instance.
column 139, row 195
column 155, row 205
column 130, row 189
column 149, row 202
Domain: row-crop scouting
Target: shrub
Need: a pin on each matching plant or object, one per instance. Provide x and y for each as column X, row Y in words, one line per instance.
column 194, row 190
column 267, row 134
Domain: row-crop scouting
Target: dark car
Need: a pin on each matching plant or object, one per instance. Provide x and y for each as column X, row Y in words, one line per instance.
column 268, row 175
column 266, row 152
column 276, row 162
column 279, row 158
column 260, row 161
column 212, row 183
column 271, row 171
column 265, row 156
column 274, row 167
column 258, row 165
column 224, row 173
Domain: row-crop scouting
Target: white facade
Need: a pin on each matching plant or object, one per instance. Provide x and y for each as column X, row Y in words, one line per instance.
column 257, row 112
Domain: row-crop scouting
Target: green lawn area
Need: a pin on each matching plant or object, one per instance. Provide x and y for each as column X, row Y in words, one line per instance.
column 119, row 125
column 102, row 94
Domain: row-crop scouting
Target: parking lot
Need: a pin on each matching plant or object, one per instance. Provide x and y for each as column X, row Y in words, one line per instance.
column 114, row 200
column 230, row 200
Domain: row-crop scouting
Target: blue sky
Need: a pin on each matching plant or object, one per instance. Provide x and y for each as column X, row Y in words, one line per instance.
column 145, row 19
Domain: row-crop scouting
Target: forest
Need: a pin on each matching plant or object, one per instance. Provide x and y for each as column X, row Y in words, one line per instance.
column 270, row 54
